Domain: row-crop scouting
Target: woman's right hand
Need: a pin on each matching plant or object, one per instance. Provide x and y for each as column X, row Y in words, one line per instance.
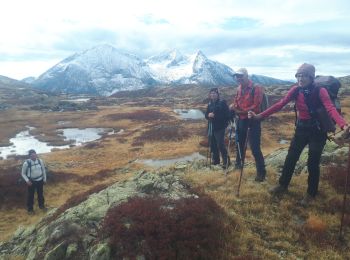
column 252, row 115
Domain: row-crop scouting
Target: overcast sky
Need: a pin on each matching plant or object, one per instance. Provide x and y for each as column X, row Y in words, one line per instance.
column 270, row 37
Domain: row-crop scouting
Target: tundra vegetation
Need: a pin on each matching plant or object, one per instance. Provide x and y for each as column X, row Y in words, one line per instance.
column 253, row 226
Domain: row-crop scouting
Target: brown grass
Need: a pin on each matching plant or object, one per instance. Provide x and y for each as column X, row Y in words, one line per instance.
column 266, row 228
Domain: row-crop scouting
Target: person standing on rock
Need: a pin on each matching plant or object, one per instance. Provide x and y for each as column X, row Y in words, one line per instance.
column 34, row 174
column 249, row 97
column 217, row 114
column 307, row 131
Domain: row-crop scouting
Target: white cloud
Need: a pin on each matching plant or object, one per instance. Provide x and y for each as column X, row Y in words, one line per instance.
column 43, row 31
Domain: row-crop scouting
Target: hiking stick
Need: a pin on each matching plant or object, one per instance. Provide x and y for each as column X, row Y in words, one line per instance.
column 237, row 142
column 344, row 200
column 228, row 148
column 242, row 160
column 210, row 133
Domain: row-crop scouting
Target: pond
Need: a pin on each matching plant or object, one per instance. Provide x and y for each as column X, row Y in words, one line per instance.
column 167, row 162
column 24, row 141
column 189, row 113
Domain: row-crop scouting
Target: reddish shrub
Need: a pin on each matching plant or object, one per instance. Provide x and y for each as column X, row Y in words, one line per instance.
column 315, row 229
column 93, row 145
column 166, row 229
column 13, row 190
column 98, row 176
column 138, row 143
column 336, row 176
column 140, row 115
column 336, row 205
column 164, row 133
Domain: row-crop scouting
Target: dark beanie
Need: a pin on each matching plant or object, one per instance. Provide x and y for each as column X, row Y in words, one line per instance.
column 306, row 69
column 216, row 90
column 31, row 151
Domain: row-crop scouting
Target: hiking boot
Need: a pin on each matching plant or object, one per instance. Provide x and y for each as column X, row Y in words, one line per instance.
column 43, row 208
column 278, row 189
column 225, row 166
column 30, row 212
column 259, row 178
column 305, row 202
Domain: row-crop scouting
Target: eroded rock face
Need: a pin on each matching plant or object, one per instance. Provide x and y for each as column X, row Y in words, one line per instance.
column 73, row 234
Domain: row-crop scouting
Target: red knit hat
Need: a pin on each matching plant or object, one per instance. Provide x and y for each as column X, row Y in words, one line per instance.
column 306, row 69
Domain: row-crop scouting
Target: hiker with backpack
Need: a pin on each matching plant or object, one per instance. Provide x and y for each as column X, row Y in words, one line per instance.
column 217, row 114
column 308, row 98
column 34, row 174
column 249, row 97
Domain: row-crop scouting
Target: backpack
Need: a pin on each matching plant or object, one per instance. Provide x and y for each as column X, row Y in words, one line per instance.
column 332, row 85
column 265, row 100
column 29, row 168
column 315, row 106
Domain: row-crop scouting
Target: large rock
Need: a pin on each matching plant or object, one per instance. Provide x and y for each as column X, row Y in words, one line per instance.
column 73, row 233
column 332, row 153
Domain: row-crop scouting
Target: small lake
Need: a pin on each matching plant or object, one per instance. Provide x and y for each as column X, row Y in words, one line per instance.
column 162, row 163
column 189, row 113
column 24, row 141
column 80, row 136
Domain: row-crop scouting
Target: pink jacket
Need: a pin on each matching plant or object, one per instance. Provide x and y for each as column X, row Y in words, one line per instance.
column 303, row 112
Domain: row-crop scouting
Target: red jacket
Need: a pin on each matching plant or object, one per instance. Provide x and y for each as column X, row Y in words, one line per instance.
column 245, row 101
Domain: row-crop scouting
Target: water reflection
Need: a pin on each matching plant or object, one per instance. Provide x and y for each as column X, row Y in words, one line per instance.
column 23, row 141
column 189, row 113
column 162, row 163
column 80, row 136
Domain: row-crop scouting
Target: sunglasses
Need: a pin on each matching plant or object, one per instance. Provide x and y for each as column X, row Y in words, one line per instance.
column 239, row 76
column 300, row 75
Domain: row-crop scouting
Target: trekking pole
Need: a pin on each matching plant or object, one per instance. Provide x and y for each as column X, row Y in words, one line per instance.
column 228, row 148
column 237, row 142
column 242, row 160
column 344, row 200
column 210, row 133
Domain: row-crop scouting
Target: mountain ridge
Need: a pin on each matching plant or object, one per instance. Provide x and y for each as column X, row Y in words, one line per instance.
column 104, row 70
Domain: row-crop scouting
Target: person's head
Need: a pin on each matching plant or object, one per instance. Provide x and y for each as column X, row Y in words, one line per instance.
column 241, row 76
column 305, row 75
column 214, row 94
column 32, row 154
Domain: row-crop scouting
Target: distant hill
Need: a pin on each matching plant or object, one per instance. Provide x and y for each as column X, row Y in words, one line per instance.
column 15, row 92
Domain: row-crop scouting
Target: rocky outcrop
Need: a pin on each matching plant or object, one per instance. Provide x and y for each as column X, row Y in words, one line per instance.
column 74, row 233
column 332, row 154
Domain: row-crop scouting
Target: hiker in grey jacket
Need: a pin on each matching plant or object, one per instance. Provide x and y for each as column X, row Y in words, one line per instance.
column 34, row 174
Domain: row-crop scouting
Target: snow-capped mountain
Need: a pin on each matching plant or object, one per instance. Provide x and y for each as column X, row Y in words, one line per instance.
column 101, row 70
column 175, row 68
column 104, row 70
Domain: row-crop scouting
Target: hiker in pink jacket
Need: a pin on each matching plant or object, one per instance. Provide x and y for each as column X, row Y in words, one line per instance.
column 307, row 132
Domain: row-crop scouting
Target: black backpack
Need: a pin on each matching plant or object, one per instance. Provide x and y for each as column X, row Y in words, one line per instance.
column 265, row 101
column 314, row 104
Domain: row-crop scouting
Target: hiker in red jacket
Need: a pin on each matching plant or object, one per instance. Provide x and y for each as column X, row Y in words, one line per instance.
column 248, row 97
column 307, row 132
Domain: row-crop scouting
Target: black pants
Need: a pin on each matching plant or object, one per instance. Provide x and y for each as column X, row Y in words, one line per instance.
column 254, row 142
column 38, row 187
column 218, row 144
column 316, row 140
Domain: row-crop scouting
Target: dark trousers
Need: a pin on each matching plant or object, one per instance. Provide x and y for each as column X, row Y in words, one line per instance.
column 254, row 142
column 38, row 187
column 316, row 140
column 218, row 145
